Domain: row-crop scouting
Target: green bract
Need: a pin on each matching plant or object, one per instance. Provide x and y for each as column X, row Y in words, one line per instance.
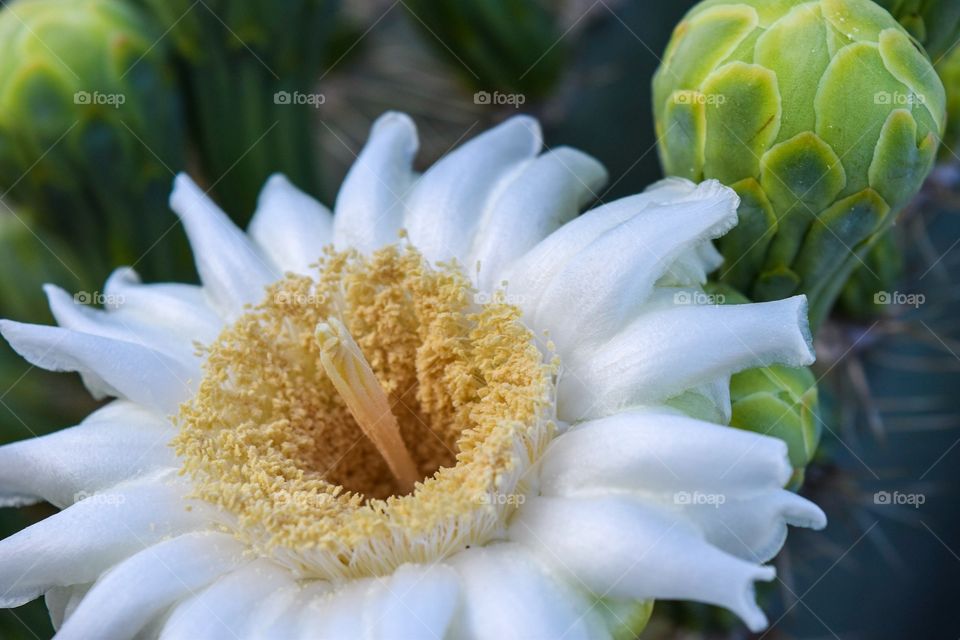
column 90, row 127
column 934, row 23
column 824, row 116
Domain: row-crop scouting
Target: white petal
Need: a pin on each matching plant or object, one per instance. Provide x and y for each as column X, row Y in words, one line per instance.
column 370, row 206
column 413, row 602
column 754, row 528
column 338, row 614
column 278, row 614
column 61, row 602
column 546, row 194
column 181, row 309
column 108, row 367
column 509, row 594
column 620, row 548
column 81, row 542
column 656, row 452
column 664, row 352
column 219, row 611
column 233, row 271
column 692, row 266
column 72, row 314
column 602, row 287
column 104, row 450
column 710, row 401
column 530, row 274
column 290, row 226
column 448, row 202
column 141, row 587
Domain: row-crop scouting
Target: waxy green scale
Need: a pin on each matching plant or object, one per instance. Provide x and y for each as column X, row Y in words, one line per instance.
column 824, row 116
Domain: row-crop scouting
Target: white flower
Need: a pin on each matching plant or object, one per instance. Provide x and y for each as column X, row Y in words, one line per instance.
column 480, row 416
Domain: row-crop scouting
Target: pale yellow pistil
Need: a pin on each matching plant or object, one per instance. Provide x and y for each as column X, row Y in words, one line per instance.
column 356, row 383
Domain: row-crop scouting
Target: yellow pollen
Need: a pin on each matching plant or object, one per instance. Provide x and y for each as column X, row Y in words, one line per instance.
column 358, row 386
column 369, row 416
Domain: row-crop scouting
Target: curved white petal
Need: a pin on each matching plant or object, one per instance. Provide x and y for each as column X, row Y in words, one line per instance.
column 102, row 451
column 220, row 610
column 72, row 314
column 278, row 615
column 709, row 401
column 544, row 195
column 609, row 280
column 655, row 452
column 108, row 367
column 692, row 266
column 531, row 274
column 127, row 598
column 507, row 593
column 63, row 601
column 753, row 528
column 449, row 200
column 233, row 271
column 289, row 226
column 370, row 206
column 180, row 309
column 82, row 541
column 336, row 615
column 621, row 548
column 414, row 602
column 668, row 350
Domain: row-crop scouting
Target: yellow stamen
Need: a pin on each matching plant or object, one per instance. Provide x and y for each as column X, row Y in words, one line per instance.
column 358, row 386
column 270, row 439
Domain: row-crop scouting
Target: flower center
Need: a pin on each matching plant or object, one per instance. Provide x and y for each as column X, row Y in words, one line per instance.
column 367, row 417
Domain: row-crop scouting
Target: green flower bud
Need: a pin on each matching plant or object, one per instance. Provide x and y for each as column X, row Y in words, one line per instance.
column 90, row 128
column 934, row 23
column 824, row 116
column 781, row 402
column 250, row 68
column 777, row 401
column 514, row 47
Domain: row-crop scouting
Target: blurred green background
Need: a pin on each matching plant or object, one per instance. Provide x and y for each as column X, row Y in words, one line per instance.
column 888, row 378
